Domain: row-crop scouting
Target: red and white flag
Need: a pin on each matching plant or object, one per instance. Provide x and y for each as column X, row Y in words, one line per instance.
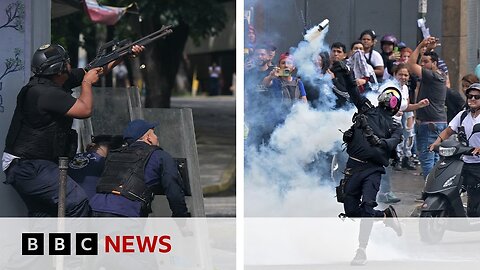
column 104, row 14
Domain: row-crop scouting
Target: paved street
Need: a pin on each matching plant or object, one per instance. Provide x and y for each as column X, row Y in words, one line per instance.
column 408, row 186
column 214, row 121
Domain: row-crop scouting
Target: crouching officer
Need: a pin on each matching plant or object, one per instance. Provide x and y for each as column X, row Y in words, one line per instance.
column 131, row 173
column 87, row 167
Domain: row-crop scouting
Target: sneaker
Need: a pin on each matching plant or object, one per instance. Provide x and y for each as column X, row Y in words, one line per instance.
column 391, row 220
column 397, row 166
column 389, row 197
column 392, row 198
column 420, row 198
column 408, row 164
column 415, row 160
column 360, row 257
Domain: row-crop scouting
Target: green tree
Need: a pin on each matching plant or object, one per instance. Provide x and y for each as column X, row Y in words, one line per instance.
column 197, row 19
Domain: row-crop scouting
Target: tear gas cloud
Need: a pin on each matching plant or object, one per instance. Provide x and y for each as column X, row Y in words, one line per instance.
column 289, row 174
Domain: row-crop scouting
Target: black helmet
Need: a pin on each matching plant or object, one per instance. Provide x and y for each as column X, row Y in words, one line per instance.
column 390, row 98
column 49, row 59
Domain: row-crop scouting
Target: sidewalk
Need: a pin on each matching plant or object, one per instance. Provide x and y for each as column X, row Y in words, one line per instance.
column 214, row 122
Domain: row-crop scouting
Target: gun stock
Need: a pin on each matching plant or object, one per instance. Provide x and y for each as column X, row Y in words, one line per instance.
column 123, row 49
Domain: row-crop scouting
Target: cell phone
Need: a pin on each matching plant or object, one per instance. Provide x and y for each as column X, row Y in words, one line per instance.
column 284, row 72
column 395, row 49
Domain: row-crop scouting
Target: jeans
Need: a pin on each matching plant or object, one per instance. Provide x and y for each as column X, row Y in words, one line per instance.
column 385, row 186
column 427, row 133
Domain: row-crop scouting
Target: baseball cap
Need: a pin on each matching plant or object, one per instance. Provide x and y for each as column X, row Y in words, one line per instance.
column 136, row 129
column 474, row 86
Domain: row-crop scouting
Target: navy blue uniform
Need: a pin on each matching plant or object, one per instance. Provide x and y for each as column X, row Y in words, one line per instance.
column 86, row 169
column 34, row 170
column 161, row 170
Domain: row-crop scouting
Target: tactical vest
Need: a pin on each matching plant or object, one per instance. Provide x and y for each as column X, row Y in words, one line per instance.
column 124, row 173
column 290, row 91
column 48, row 142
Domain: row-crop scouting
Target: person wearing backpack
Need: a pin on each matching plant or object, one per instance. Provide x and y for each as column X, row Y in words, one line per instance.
column 283, row 84
column 471, row 170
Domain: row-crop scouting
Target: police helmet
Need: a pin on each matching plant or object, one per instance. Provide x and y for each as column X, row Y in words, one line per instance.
column 49, row 59
column 389, row 38
column 390, row 98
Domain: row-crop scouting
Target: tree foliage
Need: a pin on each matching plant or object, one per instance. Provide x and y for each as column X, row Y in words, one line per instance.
column 195, row 18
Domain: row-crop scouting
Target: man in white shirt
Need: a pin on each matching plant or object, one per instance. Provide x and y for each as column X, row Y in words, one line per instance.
column 471, row 169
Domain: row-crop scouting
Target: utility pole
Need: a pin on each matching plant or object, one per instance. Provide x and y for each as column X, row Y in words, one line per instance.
column 422, row 12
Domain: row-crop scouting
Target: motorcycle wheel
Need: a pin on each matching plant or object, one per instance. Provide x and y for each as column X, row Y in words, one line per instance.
column 432, row 226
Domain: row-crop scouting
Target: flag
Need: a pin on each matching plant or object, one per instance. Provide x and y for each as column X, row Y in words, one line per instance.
column 104, row 14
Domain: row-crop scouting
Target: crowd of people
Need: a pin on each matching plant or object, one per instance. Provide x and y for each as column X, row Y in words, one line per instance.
column 416, row 103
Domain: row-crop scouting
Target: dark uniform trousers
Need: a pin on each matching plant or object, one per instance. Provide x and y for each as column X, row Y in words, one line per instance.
column 361, row 190
column 37, row 182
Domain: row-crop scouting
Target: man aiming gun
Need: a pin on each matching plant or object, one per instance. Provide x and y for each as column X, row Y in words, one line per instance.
column 40, row 131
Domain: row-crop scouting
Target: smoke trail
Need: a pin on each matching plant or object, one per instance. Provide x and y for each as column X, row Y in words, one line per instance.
column 279, row 178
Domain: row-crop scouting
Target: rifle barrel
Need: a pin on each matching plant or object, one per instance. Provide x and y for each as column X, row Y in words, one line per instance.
column 165, row 30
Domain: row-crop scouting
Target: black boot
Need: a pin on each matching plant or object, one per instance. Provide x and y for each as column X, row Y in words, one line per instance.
column 407, row 163
column 391, row 220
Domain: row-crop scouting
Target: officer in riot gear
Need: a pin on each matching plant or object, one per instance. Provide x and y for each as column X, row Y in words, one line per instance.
column 86, row 168
column 133, row 174
column 40, row 131
column 371, row 142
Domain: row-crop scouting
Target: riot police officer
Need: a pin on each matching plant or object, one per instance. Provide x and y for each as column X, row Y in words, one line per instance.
column 133, row 174
column 40, row 131
column 87, row 167
column 371, row 142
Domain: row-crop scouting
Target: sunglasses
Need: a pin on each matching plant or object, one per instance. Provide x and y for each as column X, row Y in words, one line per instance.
column 476, row 97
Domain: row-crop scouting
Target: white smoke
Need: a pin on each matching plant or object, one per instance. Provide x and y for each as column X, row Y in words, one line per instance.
column 276, row 180
column 279, row 180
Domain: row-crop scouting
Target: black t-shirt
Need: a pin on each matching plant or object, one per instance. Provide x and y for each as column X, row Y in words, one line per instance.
column 46, row 101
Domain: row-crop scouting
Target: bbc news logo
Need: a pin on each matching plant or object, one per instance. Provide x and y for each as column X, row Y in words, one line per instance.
column 87, row 244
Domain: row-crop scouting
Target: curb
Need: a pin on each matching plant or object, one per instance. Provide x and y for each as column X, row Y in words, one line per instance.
column 226, row 181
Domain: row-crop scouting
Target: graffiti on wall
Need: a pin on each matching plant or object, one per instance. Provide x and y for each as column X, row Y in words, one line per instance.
column 14, row 20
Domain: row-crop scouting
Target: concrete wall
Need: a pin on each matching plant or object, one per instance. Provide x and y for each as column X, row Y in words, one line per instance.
column 33, row 30
column 283, row 21
column 454, row 40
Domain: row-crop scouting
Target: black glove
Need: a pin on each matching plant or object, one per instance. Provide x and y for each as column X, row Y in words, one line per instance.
column 383, row 144
column 348, row 135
